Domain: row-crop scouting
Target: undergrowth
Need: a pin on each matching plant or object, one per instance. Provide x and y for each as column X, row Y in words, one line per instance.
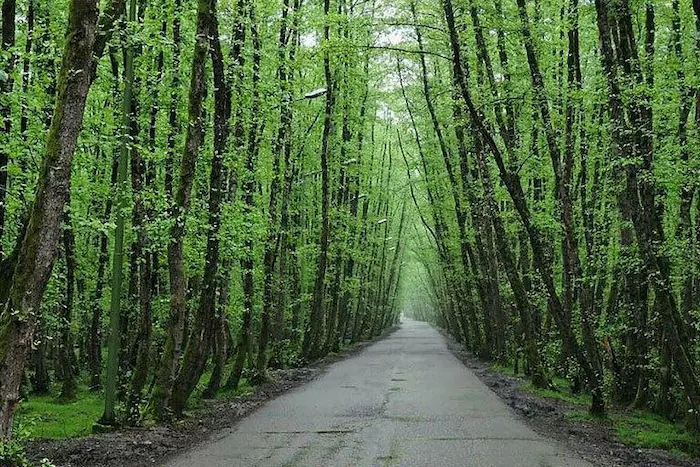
column 636, row 429
column 560, row 393
column 12, row 455
column 649, row 431
column 43, row 417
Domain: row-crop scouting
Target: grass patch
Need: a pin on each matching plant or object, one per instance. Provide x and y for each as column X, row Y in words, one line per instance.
column 41, row 417
column 244, row 389
column 651, row 431
column 560, row 382
column 560, row 394
column 509, row 369
column 648, row 431
column 505, row 369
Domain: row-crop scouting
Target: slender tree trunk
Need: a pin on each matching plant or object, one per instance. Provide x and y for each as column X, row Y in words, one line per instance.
column 66, row 351
column 178, row 284
column 281, row 148
column 249, row 187
column 94, row 347
column 279, row 329
column 26, row 81
column 142, row 181
column 219, row 351
column 689, row 184
column 238, row 73
column 313, row 337
column 41, row 379
column 115, row 311
column 199, row 343
column 354, row 185
column 173, row 120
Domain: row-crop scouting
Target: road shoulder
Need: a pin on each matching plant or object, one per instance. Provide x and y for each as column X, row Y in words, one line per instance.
column 593, row 441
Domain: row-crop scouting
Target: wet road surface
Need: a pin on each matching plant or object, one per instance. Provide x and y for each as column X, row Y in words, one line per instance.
column 404, row 401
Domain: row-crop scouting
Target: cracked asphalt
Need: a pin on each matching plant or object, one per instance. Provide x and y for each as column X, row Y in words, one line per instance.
column 404, row 401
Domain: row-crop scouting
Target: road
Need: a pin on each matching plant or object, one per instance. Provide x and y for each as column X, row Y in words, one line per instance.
column 404, row 401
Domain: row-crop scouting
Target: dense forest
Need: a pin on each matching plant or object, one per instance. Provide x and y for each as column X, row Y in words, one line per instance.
column 193, row 193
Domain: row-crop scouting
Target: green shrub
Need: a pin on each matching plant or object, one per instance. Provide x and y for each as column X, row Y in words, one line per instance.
column 12, row 454
column 646, row 430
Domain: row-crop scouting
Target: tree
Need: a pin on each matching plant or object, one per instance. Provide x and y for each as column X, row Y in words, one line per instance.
column 195, row 134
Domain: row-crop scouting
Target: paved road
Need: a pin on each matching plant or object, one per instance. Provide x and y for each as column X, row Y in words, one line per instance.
column 405, row 401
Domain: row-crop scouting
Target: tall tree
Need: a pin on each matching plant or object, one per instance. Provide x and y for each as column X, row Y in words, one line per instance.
column 109, row 417
column 195, row 134
column 199, row 343
column 313, row 337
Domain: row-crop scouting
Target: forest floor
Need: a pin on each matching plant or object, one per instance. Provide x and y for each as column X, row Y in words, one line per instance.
column 148, row 446
column 564, row 418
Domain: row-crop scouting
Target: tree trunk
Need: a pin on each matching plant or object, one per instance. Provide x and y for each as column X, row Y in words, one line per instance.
column 173, row 121
column 66, row 351
column 116, row 310
column 141, row 181
column 199, row 343
column 313, row 338
column 40, row 379
column 249, row 187
column 281, row 147
column 94, row 344
column 219, row 352
column 176, row 262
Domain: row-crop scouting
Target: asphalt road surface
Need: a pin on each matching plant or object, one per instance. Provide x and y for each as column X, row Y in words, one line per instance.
column 404, row 401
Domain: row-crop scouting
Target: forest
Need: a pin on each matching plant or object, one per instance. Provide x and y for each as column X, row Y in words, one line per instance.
column 194, row 193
